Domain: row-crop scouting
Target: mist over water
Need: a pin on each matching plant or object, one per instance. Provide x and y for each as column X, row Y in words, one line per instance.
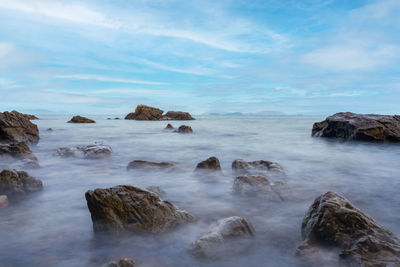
column 54, row 228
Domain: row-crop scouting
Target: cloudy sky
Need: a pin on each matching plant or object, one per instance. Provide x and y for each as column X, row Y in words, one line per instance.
column 293, row 56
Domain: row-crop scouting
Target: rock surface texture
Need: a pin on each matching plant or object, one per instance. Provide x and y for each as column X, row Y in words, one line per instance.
column 18, row 183
column 128, row 208
column 332, row 221
column 80, row 119
column 362, row 127
column 16, row 128
column 147, row 113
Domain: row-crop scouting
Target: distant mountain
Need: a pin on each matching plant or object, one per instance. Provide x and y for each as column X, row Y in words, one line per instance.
column 226, row 114
column 260, row 113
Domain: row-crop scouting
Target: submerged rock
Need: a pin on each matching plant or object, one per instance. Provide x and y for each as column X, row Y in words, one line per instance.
column 259, row 186
column 184, row 129
column 29, row 164
column 143, row 164
column 49, row 129
column 222, row 238
column 3, row 201
column 145, row 113
column 240, row 166
column 169, row 127
column 363, row 127
column 128, row 208
column 124, row 262
column 332, row 221
column 27, row 116
column 95, row 151
column 18, row 183
column 211, row 164
column 17, row 150
column 65, row 152
column 178, row 116
column 16, row 128
column 80, row 119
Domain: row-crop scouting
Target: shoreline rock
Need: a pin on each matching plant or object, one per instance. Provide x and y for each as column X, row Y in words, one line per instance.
column 80, row 119
column 18, row 183
column 16, row 128
column 147, row 113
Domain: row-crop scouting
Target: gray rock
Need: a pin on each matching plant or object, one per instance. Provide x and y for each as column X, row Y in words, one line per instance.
column 262, row 167
column 260, row 186
column 18, row 183
column 95, row 151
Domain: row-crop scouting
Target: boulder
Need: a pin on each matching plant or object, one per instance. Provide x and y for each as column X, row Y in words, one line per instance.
column 80, row 119
column 124, row 262
column 363, row 127
column 156, row 190
column 128, row 208
column 178, row 115
column 3, row 201
column 18, row 183
column 145, row 113
column 16, row 128
column 333, row 222
column 169, row 127
column 17, row 150
column 143, row 164
column 242, row 167
column 259, row 186
column 27, row 116
column 211, row 164
column 95, row 151
column 184, row 129
column 223, row 238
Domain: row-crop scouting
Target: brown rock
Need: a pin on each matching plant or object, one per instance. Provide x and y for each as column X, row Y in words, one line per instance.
column 178, row 115
column 333, row 222
column 211, row 163
column 143, row 164
column 27, row 116
column 125, row 262
column 240, row 166
column 363, row 127
column 145, row 113
column 128, row 208
column 16, row 128
column 169, row 127
column 184, row 129
column 18, row 183
column 3, row 201
column 17, row 150
column 80, row 119
column 259, row 186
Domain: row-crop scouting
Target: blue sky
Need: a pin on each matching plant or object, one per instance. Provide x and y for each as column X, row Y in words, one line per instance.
column 293, row 56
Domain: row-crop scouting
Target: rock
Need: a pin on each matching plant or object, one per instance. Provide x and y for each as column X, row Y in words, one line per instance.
column 184, row 129
column 240, row 166
column 169, row 127
column 145, row 113
column 125, row 262
column 27, row 116
column 128, row 208
column 259, row 186
column 211, row 164
column 80, row 119
column 29, row 164
column 363, row 127
column 18, row 183
column 108, row 118
column 178, row 115
column 143, row 164
column 17, row 150
column 116, row 118
column 333, row 222
column 65, row 152
column 220, row 239
column 49, row 129
column 156, row 190
column 16, row 128
column 3, row 201
column 95, row 151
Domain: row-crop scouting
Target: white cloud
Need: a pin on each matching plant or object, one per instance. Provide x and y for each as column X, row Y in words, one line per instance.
column 5, row 49
column 105, row 79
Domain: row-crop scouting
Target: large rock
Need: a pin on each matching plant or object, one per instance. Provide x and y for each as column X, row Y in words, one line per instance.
column 184, row 129
column 3, row 201
column 178, row 116
column 80, row 119
column 128, row 208
column 16, row 128
column 333, row 222
column 143, row 164
column 242, row 167
column 222, row 238
column 27, row 116
column 145, row 113
column 124, row 262
column 260, row 186
column 210, row 164
column 95, row 151
column 18, row 183
column 363, row 127
column 17, row 150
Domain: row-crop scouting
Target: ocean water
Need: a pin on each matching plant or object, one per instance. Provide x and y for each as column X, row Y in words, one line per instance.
column 54, row 228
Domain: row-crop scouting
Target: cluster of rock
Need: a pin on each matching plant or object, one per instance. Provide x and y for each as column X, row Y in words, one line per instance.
column 80, row 119
column 147, row 113
column 92, row 151
column 17, row 128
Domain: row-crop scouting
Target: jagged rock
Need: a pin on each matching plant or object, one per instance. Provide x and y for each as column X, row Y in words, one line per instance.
column 128, row 208
column 363, row 127
column 223, row 238
column 169, row 127
column 80, row 119
column 184, row 129
column 143, row 164
column 259, row 186
column 333, row 222
column 211, row 164
column 178, row 115
column 95, row 151
column 27, row 116
column 125, row 262
column 65, row 152
column 156, row 190
column 16, row 128
column 17, row 150
column 145, row 113
column 242, row 167
column 3, row 201
column 18, row 183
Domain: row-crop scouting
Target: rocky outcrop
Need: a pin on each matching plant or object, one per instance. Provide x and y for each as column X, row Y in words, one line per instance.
column 27, row 116
column 178, row 116
column 17, row 150
column 169, row 127
column 125, row 262
column 362, row 127
column 18, row 183
column 210, row 164
column 222, row 238
column 184, row 129
column 143, row 164
column 16, row 128
column 147, row 113
column 260, row 186
column 128, row 208
column 95, row 151
column 242, row 167
column 333, row 222
column 3, row 201
column 80, row 119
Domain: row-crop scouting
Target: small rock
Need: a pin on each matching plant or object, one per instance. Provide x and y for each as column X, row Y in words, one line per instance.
column 184, row 129
column 18, row 183
column 240, row 166
column 27, row 116
column 95, row 151
column 16, row 128
column 169, row 127
column 143, row 164
column 156, row 190
column 211, row 163
column 116, row 118
column 17, row 150
column 3, row 201
column 125, row 262
column 80, row 119
column 259, row 186
column 49, row 129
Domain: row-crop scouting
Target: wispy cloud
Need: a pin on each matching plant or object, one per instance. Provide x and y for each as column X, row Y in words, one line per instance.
column 105, row 79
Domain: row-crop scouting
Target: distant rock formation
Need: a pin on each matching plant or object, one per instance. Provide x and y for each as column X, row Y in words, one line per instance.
column 147, row 113
column 27, row 116
column 80, row 119
column 363, row 127
column 17, row 128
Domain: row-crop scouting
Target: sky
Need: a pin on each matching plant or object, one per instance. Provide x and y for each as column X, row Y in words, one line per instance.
column 291, row 56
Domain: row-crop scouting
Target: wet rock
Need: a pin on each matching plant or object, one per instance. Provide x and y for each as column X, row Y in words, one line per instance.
column 143, row 164
column 178, row 115
column 27, row 116
column 240, row 166
column 125, row 262
column 95, row 151
column 16, row 128
column 224, row 238
column 80, row 119
column 211, row 164
column 65, row 152
column 156, row 190
column 128, row 208
column 17, row 150
column 145, row 113
column 18, row 183
column 169, row 127
column 184, row 129
column 333, row 222
column 363, row 127
column 260, row 186
column 3, row 201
